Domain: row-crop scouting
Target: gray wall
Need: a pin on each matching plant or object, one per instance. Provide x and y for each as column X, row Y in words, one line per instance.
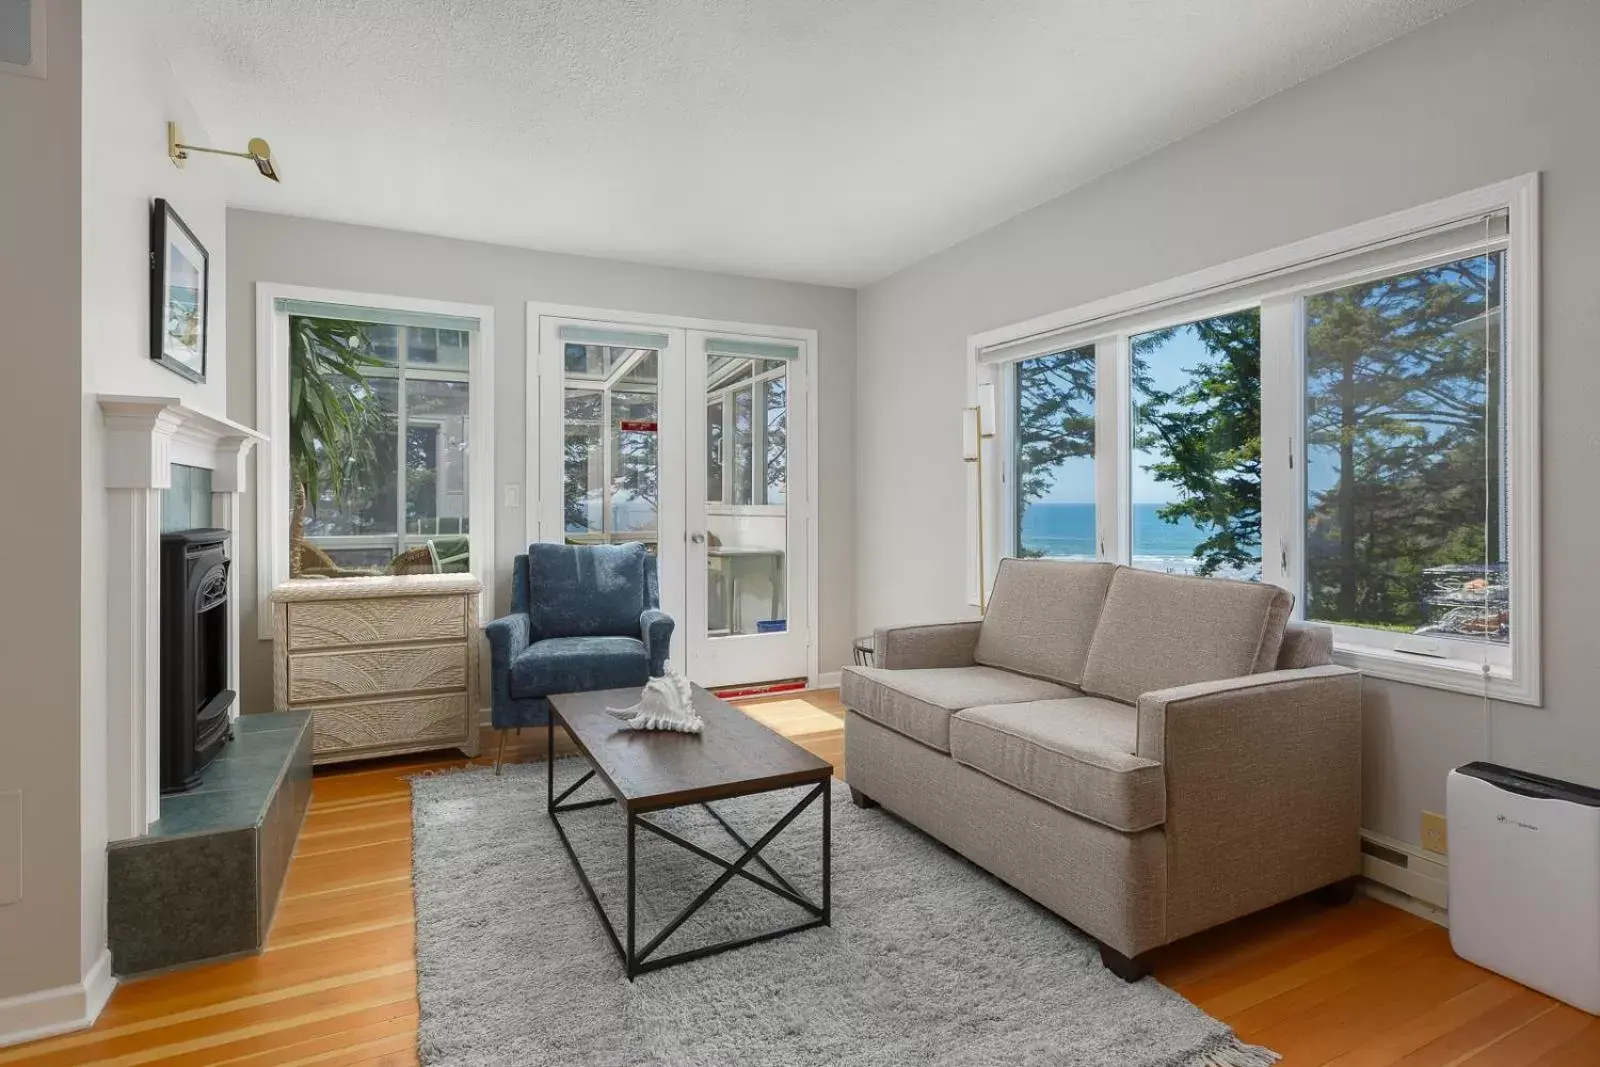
column 275, row 248
column 1497, row 89
column 41, row 940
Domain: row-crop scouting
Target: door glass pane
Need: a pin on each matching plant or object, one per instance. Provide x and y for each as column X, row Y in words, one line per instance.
column 635, row 466
column 1406, row 453
column 714, row 452
column 776, row 460
column 743, row 446
column 747, row 528
column 1055, row 455
column 1196, row 471
column 583, row 467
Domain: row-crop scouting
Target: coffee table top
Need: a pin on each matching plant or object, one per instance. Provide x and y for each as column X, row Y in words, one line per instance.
column 650, row 769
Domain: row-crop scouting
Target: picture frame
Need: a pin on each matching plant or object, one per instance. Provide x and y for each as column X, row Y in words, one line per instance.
column 180, row 294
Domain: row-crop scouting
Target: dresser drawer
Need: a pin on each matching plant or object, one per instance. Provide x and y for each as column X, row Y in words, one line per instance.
column 377, row 724
column 375, row 671
column 376, row 621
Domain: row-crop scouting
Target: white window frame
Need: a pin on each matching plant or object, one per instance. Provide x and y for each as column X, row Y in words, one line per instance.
column 1309, row 266
column 272, row 417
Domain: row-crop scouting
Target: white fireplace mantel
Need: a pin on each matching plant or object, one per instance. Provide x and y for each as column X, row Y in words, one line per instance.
column 144, row 436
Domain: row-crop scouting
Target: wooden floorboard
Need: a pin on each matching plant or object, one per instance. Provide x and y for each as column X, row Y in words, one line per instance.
column 1363, row 985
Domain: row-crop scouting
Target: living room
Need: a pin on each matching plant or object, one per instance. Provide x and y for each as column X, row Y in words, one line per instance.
column 1048, row 522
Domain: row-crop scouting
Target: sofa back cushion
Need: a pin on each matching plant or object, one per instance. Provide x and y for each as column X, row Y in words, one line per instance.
column 586, row 590
column 1162, row 630
column 1041, row 617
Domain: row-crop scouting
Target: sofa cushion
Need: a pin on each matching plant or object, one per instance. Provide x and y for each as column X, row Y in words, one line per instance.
column 1161, row 630
column 1041, row 617
column 578, row 664
column 1077, row 754
column 586, row 590
column 918, row 703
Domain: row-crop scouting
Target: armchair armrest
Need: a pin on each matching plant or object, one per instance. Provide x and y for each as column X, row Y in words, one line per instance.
column 655, row 627
column 945, row 644
column 508, row 635
column 1263, row 777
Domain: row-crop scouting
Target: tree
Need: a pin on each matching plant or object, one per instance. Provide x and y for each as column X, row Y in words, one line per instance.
column 332, row 413
column 1208, row 435
column 1398, row 412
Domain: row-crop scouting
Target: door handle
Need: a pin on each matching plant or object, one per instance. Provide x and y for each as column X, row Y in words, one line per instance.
column 697, row 538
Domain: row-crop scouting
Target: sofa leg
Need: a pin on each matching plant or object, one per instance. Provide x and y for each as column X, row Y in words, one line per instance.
column 1335, row 893
column 860, row 799
column 1129, row 969
column 500, row 753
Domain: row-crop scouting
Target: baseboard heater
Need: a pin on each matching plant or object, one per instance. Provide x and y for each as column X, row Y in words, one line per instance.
column 1525, row 879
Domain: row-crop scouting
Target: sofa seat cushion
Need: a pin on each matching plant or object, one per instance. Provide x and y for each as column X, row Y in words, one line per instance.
column 1077, row 754
column 1041, row 617
column 578, row 664
column 1157, row 631
column 918, row 703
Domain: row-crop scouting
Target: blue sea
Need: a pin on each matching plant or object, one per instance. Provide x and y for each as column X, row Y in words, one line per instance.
column 1060, row 528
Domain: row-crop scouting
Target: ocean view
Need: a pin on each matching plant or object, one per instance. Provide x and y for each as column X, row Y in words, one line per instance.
column 1065, row 528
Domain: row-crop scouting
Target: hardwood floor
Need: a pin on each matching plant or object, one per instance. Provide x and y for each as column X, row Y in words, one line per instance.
column 1362, row 984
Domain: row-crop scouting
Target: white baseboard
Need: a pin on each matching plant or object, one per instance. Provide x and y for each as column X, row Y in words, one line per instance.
column 829, row 680
column 56, row 1011
column 1410, row 877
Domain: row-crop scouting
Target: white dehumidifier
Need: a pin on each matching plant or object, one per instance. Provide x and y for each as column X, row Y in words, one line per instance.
column 1525, row 879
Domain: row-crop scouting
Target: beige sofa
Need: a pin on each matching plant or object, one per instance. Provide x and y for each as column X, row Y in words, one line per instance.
column 1144, row 754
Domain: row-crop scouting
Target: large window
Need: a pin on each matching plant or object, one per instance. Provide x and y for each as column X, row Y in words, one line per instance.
column 1405, row 453
column 379, row 429
column 1353, row 418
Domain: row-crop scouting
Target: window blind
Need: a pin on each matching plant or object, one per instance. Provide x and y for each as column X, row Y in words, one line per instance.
column 592, row 335
column 739, row 347
column 383, row 316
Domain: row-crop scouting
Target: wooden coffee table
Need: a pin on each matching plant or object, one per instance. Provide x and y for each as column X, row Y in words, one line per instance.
column 648, row 771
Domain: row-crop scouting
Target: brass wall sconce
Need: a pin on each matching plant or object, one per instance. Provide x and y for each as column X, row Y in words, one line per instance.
column 257, row 151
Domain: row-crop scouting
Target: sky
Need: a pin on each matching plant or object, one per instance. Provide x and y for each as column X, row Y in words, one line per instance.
column 1074, row 479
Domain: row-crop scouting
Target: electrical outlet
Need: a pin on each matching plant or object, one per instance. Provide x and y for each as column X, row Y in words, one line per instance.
column 1434, row 835
column 10, row 846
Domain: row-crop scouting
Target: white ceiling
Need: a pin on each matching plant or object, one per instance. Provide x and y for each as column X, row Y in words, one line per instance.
column 827, row 141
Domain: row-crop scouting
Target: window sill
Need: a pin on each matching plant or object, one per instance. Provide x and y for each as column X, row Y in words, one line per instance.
column 1450, row 675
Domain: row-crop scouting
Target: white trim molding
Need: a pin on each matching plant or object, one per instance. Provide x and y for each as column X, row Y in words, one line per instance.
column 1500, row 218
column 144, row 437
column 272, row 414
column 60, row 1010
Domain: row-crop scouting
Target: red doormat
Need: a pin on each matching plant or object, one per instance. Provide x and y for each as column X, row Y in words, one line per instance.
column 734, row 692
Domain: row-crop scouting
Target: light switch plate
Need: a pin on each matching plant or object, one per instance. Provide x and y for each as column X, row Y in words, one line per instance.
column 10, row 846
column 513, row 495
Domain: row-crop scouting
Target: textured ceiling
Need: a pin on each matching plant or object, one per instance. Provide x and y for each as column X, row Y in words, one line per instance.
column 817, row 140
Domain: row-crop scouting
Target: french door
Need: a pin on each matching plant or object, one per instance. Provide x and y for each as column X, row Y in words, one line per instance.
column 693, row 441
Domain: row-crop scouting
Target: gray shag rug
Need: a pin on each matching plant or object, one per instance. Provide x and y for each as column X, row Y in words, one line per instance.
column 929, row 960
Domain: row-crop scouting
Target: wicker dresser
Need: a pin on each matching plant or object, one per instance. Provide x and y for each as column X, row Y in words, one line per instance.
column 384, row 665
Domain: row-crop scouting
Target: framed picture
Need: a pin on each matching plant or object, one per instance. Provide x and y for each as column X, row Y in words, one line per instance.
column 180, row 304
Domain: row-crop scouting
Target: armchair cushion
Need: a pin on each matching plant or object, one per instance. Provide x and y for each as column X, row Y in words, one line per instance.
column 1042, row 616
column 577, row 664
column 585, row 590
column 1075, row 754
column 1162, row 630
column 918, row 703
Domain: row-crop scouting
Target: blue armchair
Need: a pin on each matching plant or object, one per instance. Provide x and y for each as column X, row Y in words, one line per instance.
column 583, row 617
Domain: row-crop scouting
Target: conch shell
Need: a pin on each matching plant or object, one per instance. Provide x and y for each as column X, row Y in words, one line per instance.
column 667, row 703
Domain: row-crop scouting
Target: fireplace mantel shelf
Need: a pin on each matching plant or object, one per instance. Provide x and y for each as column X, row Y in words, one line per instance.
column 145, row 435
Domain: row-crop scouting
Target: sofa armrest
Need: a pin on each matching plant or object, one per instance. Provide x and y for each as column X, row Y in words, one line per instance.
column 945, row 644
column 655, row 626
column 1263, row 777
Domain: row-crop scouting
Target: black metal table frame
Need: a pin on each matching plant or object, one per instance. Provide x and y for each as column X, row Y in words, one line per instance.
column 638, row 961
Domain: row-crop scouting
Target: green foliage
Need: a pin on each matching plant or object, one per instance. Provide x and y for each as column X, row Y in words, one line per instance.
column 1055, row 421
column 1207, row 433
column 332, row 408
column 1398, row 413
